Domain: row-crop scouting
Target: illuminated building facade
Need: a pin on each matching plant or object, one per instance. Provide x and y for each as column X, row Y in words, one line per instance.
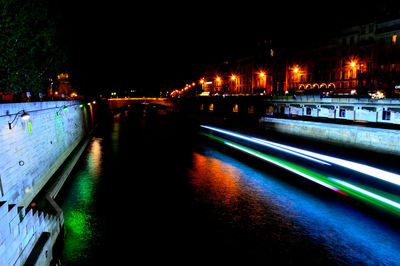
column 244, row 76
column 64, row 86
column 361, row 59
column 358, row 60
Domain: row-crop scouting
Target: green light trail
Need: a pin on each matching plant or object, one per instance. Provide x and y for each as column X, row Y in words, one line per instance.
column 377, row 198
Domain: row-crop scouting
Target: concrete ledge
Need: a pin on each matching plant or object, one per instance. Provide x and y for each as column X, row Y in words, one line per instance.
column 38, row 251
column 376, row 139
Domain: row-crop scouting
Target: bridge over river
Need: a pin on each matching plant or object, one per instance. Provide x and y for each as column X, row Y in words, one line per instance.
column 117, row 103
column 384, row 111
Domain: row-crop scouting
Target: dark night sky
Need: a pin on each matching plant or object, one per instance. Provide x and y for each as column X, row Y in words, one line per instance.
column 156, row 45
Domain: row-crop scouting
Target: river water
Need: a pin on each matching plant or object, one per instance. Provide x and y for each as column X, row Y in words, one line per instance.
column 149, row 190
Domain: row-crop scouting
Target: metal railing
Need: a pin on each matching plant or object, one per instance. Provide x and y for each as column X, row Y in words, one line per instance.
column 370, row 110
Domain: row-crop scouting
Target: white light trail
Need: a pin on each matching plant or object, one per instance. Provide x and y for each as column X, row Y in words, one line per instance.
column 262, row 142
column 282, row 165
column 366, row 192
column 362, row 168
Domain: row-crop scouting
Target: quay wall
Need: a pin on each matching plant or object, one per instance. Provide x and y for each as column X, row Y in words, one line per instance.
column 385, row 111
column 32, row 150
column 375, row 139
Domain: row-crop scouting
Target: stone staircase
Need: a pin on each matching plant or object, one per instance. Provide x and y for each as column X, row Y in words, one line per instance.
column 20, row 230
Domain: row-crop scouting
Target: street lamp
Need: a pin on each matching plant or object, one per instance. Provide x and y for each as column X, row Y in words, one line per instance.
column 218, row 84
column 65, row 108
column 233, row 84
column 24, row 116
column 262, row 82
column 202, row 84
column 294, row 79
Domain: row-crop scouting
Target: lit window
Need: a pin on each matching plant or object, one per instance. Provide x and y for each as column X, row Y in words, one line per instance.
column 394, row 39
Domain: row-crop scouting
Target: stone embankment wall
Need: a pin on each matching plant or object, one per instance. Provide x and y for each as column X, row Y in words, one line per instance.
column 20, row 231
column 33, row 149
column 376, row 139
column 31, row 152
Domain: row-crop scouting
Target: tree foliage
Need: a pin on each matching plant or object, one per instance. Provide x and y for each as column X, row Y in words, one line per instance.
column 29, row 54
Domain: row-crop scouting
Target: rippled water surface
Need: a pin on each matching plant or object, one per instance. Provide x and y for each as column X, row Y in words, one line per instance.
column 149, row 190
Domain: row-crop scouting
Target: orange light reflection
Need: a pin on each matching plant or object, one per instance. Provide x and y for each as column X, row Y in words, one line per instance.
column 224, row 187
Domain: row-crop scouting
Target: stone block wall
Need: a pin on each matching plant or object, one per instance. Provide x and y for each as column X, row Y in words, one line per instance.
column 20, row 230
column 375, row 139
column 32, row 150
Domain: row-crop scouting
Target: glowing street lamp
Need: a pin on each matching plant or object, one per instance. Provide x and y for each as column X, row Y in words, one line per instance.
column 202, row 84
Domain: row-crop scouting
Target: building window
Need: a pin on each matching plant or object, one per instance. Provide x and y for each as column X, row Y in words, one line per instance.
column 385, row 115
column 250, row 109
column 342, row 112
column 394, row 39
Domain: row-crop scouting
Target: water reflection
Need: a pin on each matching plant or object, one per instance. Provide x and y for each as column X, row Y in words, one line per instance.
column 208, row 202
column 266, row 207
column 223, row 184
column 220, row 183
column 115, row 134
column 81, row 223
column 94, row 157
